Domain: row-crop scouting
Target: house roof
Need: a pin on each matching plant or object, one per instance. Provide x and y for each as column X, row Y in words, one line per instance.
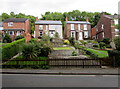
column 48, row 22
column 13, row 30
column 111, row 16
column 77, row 22
column 15, row 20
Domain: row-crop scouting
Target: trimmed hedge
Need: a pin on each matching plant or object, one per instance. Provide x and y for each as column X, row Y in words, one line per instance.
column 11, row 49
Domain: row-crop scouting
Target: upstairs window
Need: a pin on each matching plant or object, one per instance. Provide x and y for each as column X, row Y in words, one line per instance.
column 78, row 26
column 102, row 27
column 41, row 27
column 10, row 24
column 72, row 27
column 85, row 26
column 103, row 34
column 86, row 34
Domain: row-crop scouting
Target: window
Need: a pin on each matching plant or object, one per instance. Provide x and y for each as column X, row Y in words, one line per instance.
column 78, row 26
column 11, row 33
column 102, row 27
column 116, row 21
column 52, row 27
column 46, row 27
column 51, row 32
column 103, row 34
column 85, row 26
column 40, row 34
column 73, row 34
column 86, row 34
column 72, row 27
column 116, row 30
column 97, row 29
column 10, row 24
column 41, row 27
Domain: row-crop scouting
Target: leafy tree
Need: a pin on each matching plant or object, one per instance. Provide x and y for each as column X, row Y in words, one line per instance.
column 117, row 42
column 7, row 39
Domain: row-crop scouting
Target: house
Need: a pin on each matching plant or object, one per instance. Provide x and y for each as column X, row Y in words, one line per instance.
column 48, row 27
column 106, row 27
column 93, row 33
column 1, row 32
column 80, row 30
column 16, row 26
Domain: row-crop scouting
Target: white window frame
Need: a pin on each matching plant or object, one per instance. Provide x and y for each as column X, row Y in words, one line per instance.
column 41, row 33
column 12, row 32
column 115, row 21
column 10, row 24
column 103, row 34
column 72, row 27
column 40, row 27
column 102, row 27
column 79, row 27
column 85, row 26
column 86, row 36
column 72, row 34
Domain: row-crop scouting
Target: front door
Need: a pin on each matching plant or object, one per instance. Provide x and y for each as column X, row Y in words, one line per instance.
column 80, row 36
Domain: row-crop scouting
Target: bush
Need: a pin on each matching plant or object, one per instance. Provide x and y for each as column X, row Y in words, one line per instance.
column 66, row 42
column 96, row 46
column 115, row 56
column 117, row 42
column 108, row 46
column 11, row 49
column 74, row 53
column 28, row 51
column 56, row 35
column 102, row 45
column 72, row 41
column 19, row 37
column 7, row 39
column 106, row 40
column 83, row 42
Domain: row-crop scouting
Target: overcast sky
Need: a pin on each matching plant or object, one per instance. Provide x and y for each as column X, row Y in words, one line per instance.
column 38, row 7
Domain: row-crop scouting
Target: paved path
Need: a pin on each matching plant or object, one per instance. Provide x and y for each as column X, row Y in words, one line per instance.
column 18, row 80
column 106, row 71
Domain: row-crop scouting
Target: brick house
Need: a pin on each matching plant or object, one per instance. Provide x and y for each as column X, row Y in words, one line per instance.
column 93, row 33
column 16, row 26
column 48, row 27
column 106, row 27
column 80, row 30
column 1, row 32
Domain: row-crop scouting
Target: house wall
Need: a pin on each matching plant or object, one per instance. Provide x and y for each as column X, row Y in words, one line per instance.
column 107, row 28
column 67, row 31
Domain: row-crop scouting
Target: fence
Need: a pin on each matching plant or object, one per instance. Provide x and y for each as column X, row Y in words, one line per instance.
column 61, row 62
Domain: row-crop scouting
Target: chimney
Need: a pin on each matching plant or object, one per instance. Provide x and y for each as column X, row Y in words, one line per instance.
column 36, row 18
column 87, row 19
column 66, row 19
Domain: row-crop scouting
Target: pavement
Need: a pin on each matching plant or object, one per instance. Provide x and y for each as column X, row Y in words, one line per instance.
column 64, row 71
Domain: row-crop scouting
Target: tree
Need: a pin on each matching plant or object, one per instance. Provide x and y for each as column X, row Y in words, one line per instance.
column 117, row 42
column 7, row 39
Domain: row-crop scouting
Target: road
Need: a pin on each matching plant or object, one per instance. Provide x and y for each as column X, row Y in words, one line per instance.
column 26, row 80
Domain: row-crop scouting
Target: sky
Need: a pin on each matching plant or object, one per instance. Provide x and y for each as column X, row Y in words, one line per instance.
column 38, row 7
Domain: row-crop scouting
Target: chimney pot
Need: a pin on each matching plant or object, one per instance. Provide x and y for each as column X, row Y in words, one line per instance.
column 36, row 18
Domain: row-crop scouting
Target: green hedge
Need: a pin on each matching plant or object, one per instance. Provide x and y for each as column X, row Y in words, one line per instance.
column 11, row 49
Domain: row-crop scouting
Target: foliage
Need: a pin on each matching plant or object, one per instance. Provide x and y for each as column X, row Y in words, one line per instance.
column 102, row 45
column 56, row 35
column 83, row 42
column 19, row 37
column 66, row 42
column 117, row 42
column 45, row 38
column 71, row 40
column 11, row 49
column 7, row 39
column 106, row 40
column 115, row 56
column 74, row 53
column 96, row 46
column 28, row 51
column 62, row 48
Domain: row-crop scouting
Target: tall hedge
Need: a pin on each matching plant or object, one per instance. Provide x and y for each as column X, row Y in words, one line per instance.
column 11, row 49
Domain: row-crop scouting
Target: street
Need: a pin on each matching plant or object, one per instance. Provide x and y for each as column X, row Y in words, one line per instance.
column 26, row 80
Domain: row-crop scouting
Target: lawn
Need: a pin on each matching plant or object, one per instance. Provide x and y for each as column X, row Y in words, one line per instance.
column 100, row 53
column 62, row 48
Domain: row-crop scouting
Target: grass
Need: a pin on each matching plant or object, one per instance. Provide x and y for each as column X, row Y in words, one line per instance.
column 100, row 53
column 63, row 48
column 3, row 44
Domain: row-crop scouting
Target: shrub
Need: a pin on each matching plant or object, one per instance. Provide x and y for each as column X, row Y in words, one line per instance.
column 117, row 42
column 106, row 40
column 7, row 39
column 66, row 42
column 102, row 45
column 72, row 40
column 96, row 46
column 56, row 35
column 74, row 53
column 11, row 49
column 108, row 46
column 19, row 37
column 45, row 37
column 29, row 51
column 83, row 42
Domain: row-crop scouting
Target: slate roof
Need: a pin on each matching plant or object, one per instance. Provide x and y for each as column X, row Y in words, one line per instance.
column 77, row 22
column 111, row 16
column 15, row 20
column 48, row 22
